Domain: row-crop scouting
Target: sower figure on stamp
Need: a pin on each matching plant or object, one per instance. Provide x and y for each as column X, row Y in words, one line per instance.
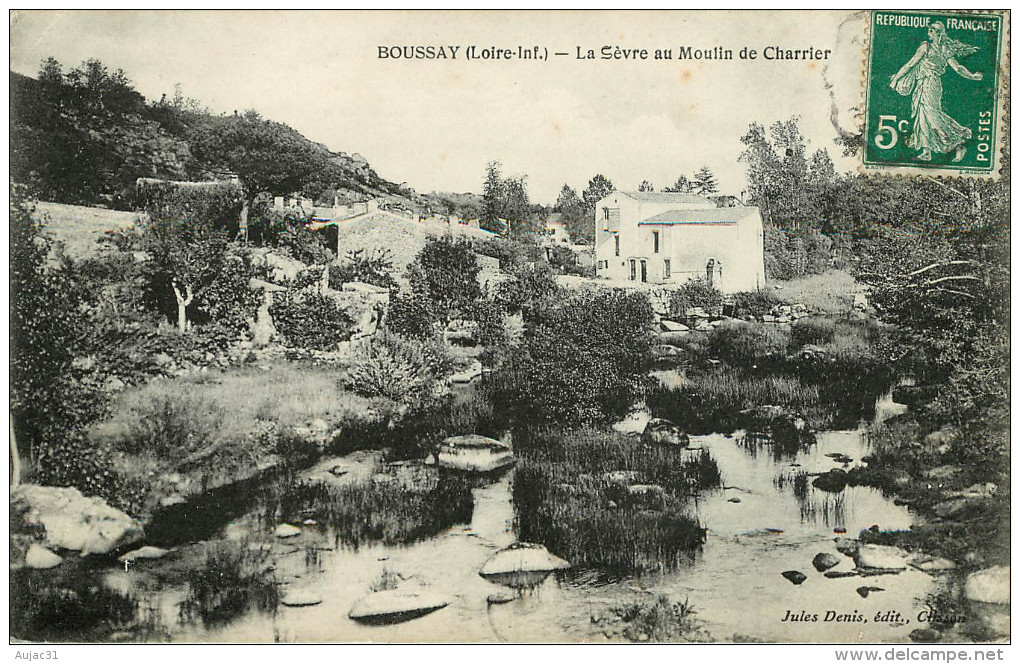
column 921, row 78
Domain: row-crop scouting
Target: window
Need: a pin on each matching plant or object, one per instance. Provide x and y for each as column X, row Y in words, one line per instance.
column 666, row 269
column 655, row 241
column 633, row 270
column 617, row 240
column 605, row 214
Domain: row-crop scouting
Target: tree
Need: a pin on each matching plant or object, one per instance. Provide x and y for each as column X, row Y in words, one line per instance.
column 779, row 178
column 681, row 186
column 645, row 186
column 49, row 404
column 598, row 188
column 446, row 273
column 704, row 182
column 571, row 207
column 505, row 204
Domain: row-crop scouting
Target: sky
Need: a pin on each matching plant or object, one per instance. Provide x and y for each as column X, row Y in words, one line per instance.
column 434, row 124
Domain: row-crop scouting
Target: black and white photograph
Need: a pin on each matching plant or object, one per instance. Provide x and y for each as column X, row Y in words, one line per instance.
column 510, row 327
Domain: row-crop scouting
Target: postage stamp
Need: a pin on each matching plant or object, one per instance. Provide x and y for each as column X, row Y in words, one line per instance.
column 933, row 95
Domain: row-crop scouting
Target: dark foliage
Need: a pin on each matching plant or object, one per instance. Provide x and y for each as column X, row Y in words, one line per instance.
column 311, row 320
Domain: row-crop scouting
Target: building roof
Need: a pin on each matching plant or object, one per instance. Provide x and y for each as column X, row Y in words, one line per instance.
column 666, row 197
column 727, row 216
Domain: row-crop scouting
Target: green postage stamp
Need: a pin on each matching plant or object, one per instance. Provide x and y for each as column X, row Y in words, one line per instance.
column 934, row 92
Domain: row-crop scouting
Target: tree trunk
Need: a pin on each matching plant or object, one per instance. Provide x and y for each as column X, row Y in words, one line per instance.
column 182, row 306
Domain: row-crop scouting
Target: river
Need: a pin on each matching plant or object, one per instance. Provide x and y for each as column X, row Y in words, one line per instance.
column 759, row 526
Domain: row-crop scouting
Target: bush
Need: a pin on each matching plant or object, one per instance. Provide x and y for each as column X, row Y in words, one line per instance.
column 532, row 286
column 311, row 320
column 228, row 301
column 408, row 371
column 411, row 316
column 375, row 268
column 584, row 360
column 491, row 331
column 753, row 303
column 695, row 293
column 815, row 331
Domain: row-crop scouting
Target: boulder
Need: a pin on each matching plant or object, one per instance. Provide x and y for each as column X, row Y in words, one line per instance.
column 955, row 508
column 847, row 546
column 833, row 481
column 663, row 432
column 663, row 351
column 878, row 556
column 990, row 586
column 521, row 565
column 144, row 553
column 301, row 597
column 285, row 530
column 824, row 561
column 474, row 454
column 39, row 557
column 387, row 607
column 673, row 326
column 795, row 577
column 932, row 565
column 78, row 523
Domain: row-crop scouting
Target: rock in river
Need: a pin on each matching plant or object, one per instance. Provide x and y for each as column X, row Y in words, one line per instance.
column 39, row 557
column 877, row 556
column 474, row 454
column 990, row 586
column 864, row 591
column 824, row 561
column 834, row 481
column 795, row 577
column 285, row 530
column 301, row 597
column 78, row 523
column 521, row 565
column 145, row 552
column 663, row 432
column 387, row 607
column 848, row 546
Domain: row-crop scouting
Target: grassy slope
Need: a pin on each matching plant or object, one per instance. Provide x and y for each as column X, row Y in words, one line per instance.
column 80, row 228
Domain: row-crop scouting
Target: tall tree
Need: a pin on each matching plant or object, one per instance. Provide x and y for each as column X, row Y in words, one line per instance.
column 704, row 182
column 571, row 207
column 598, row 188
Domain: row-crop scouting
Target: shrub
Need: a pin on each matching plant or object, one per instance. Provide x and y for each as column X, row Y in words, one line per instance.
column 411, row 316
column 375, row 268
column 815, row 331
column 408, row 371
column 532, row 286
column 228, row 301
column 491, row 331
column 695, row 293
column 311, row 320
column 583, row 361
column 753, row 303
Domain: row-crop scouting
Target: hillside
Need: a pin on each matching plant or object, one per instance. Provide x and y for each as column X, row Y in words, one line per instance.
column 83, row 137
